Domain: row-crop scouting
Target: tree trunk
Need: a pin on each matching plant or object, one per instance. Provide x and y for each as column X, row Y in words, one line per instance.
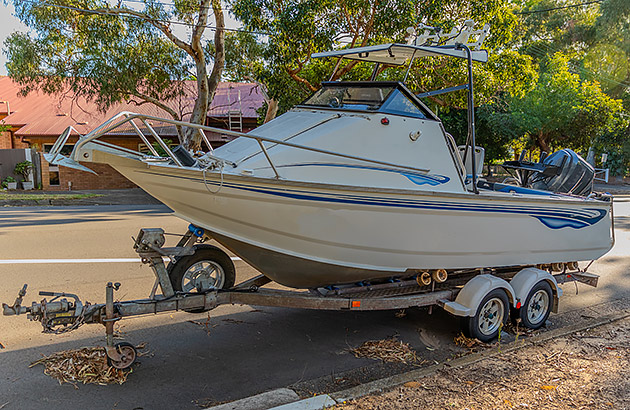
column 543, row 143
column 219, row 46
column 272, row 110
column 206, row 85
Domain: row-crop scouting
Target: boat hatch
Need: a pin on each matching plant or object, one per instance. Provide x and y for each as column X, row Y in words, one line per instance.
column 372, row 97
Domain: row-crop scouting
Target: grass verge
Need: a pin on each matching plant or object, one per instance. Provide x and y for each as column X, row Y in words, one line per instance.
column 37, row 197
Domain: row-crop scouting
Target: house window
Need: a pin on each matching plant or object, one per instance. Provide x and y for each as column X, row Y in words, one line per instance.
column 53, row 175
column 66, row 150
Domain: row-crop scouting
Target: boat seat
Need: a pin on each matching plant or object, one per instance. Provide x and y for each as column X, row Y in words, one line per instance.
column 480, row 154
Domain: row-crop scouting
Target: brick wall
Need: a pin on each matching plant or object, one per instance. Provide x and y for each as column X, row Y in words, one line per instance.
column 10, row 141
column 18, row 143
column 5, row 140
column 107, row 178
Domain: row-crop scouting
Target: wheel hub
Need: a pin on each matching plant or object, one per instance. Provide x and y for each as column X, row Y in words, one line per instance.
column 203, row 275
column 491, row 317
column 538, row 306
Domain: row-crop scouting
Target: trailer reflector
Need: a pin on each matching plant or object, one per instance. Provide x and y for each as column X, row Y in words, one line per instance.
column 356, row 304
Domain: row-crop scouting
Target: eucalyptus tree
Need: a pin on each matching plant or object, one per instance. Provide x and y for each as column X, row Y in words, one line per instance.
column 564, row 111
column 299, row 28
column 111, row 52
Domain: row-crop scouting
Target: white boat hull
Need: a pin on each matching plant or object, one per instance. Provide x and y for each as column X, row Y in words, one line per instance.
column 308, row 235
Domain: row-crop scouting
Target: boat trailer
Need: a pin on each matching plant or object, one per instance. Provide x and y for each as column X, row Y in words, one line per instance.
column 476, row 295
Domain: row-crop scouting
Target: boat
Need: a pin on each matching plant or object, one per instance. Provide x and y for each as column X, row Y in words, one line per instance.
column 361, row 183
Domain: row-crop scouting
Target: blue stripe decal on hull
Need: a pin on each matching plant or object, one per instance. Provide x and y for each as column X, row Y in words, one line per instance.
column 553, row 218
column 415, row 177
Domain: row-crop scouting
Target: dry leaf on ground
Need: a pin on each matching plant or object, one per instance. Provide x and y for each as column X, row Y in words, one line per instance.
column 387, row 350
column 87, row 365
column 462, row 341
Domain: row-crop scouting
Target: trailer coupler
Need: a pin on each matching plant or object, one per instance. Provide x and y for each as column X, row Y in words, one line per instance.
column 60, row 315
column 57, row 315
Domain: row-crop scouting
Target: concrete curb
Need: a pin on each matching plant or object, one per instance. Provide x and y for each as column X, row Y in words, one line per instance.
column 326, row 400
column 260, row 401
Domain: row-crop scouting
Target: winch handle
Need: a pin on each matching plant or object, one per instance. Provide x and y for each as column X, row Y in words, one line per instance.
column 77, row 302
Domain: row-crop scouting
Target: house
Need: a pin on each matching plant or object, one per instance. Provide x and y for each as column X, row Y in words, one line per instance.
column 36, row 120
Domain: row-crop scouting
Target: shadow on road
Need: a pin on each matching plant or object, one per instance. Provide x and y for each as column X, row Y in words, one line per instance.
column 232, row 357
column 42, row 216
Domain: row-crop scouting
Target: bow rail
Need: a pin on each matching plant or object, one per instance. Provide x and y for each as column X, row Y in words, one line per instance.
column 56, row 158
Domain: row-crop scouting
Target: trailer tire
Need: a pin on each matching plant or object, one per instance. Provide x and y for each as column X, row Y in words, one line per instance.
column 208, row 268
column 535, row 311
column 491, row 315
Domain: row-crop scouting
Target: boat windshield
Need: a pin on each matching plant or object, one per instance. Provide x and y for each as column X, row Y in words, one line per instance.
column 350, row 97
column 386, row 99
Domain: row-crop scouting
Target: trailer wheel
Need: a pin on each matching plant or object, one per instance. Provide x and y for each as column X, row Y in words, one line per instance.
column 535, row 311
column 128, row 355
column 206, row 269
column 491, row 314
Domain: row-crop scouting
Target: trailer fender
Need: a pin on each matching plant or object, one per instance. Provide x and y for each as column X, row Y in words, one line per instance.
column 468, row 299
column 527, row 278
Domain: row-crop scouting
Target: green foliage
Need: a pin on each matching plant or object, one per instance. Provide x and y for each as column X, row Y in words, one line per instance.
column 161, row 151
column 282, row 63
column 615, row 142
column 562, row 110
column 104, row 58
column 494, row 130
column 111, row 53
column 6, row 181
column 23, row 168
column 45, row 197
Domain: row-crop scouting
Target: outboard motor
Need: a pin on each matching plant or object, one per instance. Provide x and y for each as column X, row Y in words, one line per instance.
column 574, row 176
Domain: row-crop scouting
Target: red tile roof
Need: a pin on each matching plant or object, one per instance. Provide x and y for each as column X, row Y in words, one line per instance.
column 39, row 114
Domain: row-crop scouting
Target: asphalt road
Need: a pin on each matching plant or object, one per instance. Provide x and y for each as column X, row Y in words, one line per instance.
column 242, row 350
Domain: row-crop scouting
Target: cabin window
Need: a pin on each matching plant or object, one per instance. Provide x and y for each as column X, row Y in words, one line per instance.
column 399, row 104
column 350, row 98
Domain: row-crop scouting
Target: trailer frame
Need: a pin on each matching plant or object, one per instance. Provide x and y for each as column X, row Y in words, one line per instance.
column 461, row 295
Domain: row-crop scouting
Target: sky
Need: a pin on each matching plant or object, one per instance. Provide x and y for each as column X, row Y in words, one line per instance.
column 9, row 24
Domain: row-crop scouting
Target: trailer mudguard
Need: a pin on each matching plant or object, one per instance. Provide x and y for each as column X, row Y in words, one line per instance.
column 468, row 299
column 527, row 278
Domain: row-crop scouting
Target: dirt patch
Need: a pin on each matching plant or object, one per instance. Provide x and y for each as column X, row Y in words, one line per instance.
column 586, row 370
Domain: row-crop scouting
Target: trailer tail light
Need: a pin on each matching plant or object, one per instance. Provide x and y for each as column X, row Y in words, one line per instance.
column 356, row 304
column 518, row 304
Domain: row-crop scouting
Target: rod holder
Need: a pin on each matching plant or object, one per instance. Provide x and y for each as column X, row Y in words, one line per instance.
column 424, row 279
column 439, row 275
